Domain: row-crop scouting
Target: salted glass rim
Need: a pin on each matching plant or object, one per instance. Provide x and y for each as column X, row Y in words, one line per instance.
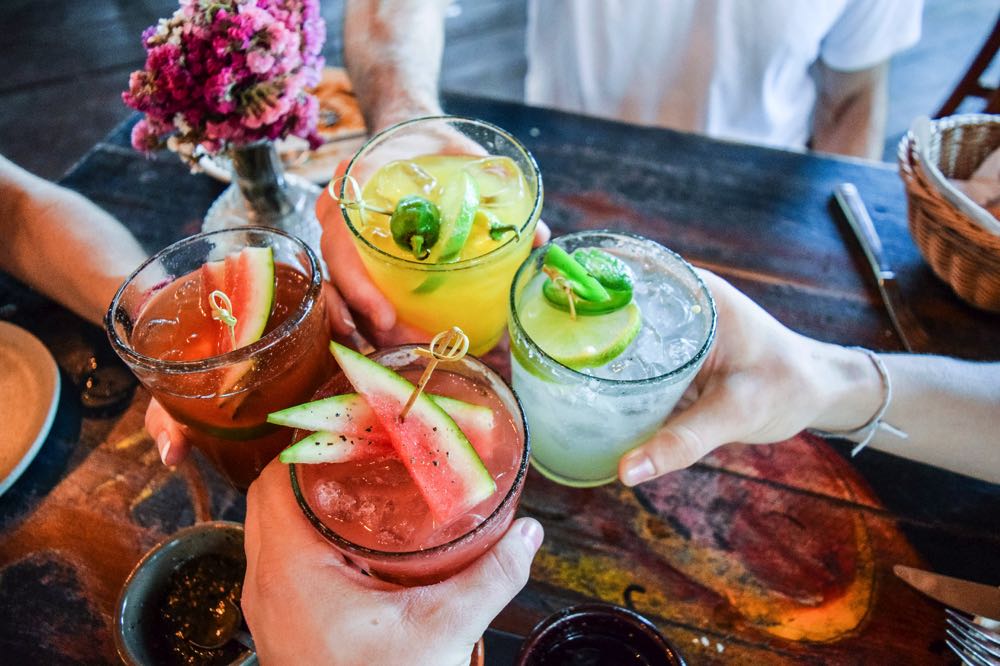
column 397, row 555
column 304, row 309
column 385, row 135
column 576, row 374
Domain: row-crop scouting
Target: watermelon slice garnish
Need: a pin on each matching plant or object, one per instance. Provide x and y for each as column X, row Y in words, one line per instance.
column 247, row 279
column 441, row 461
column 330, row 447
column 340, row 421
column 350, row 415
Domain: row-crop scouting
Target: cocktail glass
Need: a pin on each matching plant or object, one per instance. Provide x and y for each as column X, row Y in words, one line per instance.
column 377, row 502
column 583, row 421
column 468, row 293
column 224, row 399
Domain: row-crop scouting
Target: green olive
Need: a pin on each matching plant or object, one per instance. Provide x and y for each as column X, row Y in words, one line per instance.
column 415, row 225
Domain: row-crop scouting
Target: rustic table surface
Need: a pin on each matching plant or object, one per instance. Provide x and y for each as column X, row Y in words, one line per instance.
column 756, row 554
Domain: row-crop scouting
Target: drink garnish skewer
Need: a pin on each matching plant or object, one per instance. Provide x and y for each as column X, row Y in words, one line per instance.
column 449, row 345
column 222, row 310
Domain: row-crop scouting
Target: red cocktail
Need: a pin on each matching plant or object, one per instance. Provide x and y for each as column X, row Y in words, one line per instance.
column 218, row 380
column 371, row 508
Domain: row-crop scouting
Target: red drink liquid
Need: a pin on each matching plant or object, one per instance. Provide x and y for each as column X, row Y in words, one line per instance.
column 373, row 511
column 226, row 407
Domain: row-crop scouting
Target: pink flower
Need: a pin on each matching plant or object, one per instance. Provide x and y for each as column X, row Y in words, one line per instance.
column 228, row 72
column 144, row 138
column 258, row 18
column 259, row 62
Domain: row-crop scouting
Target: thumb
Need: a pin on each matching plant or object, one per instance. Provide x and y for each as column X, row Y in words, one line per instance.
column 684, row 439
column 347, row 272
column 489, row 584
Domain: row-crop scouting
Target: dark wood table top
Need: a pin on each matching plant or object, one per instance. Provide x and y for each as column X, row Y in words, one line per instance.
column 777, row 554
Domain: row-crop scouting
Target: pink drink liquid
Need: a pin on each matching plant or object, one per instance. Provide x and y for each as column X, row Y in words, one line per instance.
column 376, row 505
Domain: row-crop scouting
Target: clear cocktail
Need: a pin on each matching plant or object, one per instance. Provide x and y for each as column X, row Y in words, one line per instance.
column 468, row 197
column 373, row 507
column 165, row 323
column 599, row 381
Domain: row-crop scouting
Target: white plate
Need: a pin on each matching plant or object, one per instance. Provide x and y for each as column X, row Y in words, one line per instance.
column 29, row 395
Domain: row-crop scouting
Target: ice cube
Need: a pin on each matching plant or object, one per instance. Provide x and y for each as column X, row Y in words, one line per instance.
column 681, row 350
column 395, row 534
column 498, row 178
column 368, row 511
column 402, row 178
column 334, row 501
column 462, row 525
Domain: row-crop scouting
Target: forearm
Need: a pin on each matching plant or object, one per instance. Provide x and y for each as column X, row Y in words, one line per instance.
column 949, row 409
column 62, row 244
column 392, row 50
column 851, row 112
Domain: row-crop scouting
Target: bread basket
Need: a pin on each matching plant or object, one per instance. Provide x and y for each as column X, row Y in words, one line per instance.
column 959, row 251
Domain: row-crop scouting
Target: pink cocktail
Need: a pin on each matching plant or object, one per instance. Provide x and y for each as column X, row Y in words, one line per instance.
column 373, row 511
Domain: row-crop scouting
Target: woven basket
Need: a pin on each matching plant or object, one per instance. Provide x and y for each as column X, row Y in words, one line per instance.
column 960, row 252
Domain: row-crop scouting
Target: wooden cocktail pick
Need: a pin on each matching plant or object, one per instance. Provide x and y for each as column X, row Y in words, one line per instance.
column 450, row 345
column 222, row 310
column 559, row 281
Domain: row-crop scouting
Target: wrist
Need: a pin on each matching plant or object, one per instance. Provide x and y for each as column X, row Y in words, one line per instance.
column 388, row 114
column 852, row 390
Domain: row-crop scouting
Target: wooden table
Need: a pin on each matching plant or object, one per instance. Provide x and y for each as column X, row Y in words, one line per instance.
column 777, row 554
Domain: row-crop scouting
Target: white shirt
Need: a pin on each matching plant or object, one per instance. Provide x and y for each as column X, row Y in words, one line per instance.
column 735, row 69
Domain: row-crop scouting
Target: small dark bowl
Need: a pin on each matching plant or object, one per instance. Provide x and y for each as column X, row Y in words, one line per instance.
column 595, row 635
column 146, row 583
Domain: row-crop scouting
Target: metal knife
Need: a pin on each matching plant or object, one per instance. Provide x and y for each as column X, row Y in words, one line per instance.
column 974, row 598
column 909, row 330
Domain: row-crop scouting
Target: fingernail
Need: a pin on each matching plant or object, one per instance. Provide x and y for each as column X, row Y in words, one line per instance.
column 638, row 469
column 163, row 444
column 532, row 532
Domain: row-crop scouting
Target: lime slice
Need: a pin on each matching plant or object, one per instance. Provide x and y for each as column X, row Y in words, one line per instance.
column 584, row 342
column 458, row 205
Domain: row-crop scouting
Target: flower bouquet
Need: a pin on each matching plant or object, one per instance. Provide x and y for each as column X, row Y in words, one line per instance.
column 232, row 76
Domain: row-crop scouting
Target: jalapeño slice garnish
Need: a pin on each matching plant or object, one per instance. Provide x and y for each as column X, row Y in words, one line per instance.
column 611, row 275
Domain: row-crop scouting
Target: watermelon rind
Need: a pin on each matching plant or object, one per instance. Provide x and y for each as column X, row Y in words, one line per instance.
column 443, row 464
column 250, row 279
column 330, row 447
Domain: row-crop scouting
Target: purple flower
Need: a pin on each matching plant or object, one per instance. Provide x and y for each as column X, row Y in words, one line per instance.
column 227, row 73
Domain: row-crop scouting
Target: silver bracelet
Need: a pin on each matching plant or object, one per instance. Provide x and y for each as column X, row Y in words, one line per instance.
column 864, row 434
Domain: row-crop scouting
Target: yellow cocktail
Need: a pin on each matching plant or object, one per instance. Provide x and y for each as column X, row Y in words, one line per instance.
column 474, row 194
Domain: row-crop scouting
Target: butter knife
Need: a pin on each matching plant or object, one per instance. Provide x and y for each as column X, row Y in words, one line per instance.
column 910, row 332
column 973, row 598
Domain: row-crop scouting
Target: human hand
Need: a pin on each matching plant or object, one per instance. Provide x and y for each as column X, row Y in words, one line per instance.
column 349, row 276
column 761, row 383
column 305, row 604
column 172, row 439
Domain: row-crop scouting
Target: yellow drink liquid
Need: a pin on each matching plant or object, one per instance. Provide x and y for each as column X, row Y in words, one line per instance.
column 470, row 290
